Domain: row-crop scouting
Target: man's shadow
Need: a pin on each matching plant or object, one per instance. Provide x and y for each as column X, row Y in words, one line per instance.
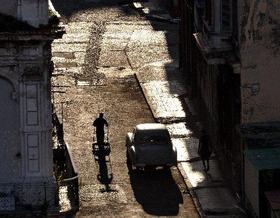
column 101, row 156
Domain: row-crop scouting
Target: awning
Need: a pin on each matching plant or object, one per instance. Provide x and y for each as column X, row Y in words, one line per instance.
column 265, row 134
column 264, row 158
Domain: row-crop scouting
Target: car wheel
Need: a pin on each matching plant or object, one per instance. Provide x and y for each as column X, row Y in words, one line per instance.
column 149, row 168
column 166, row 168
column 128, row 163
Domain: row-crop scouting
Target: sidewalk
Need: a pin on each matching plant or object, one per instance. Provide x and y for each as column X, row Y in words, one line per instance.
column 164, row 90
column 209, row 191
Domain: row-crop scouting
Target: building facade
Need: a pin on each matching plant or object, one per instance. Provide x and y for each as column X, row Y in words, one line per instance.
column 230, row 56
column 211, row 66
column 26, row 173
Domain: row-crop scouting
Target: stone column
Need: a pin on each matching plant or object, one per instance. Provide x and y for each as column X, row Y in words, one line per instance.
column 35, row 107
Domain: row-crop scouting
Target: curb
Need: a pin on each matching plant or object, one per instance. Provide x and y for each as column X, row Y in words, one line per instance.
column 152, row 16
column 191, row 191
column 161, row 19
column 160, row 119
column 142, row 91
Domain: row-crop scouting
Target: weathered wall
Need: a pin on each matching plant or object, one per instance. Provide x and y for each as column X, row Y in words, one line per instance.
column 260, row 60
column 9, row 7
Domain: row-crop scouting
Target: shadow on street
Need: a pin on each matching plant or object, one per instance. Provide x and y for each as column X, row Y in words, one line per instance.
column 68, row 8
column 157, row 192
column 102, row 158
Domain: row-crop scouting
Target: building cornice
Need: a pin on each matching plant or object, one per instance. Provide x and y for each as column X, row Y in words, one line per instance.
column 36, row 35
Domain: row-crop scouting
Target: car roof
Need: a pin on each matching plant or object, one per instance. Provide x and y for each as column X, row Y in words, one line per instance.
column 151, row 126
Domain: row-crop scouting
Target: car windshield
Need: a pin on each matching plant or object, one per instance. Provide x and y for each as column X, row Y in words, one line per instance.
column 152, row 137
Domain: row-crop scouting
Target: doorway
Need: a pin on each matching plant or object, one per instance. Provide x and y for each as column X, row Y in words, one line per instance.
column 9, row 133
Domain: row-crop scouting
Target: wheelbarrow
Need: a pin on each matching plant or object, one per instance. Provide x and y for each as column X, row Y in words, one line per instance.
column 102, row 156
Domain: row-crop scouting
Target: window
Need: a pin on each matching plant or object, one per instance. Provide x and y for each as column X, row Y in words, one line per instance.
column 32, row 104
column 208, row 12
column 226, row 15
column 152, row 137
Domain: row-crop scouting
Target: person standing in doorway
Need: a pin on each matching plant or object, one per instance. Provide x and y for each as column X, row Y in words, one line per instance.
column 99, row 125
column 205, row 149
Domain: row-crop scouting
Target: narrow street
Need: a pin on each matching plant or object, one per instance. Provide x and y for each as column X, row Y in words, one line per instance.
column 95, row 65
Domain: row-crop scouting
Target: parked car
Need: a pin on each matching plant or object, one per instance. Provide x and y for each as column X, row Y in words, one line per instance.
column 149, row 145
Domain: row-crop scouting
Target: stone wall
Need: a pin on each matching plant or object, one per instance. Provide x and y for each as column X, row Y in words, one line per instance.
column 260, row 60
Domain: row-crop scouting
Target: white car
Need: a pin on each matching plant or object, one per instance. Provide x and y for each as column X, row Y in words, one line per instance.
column 149, row 145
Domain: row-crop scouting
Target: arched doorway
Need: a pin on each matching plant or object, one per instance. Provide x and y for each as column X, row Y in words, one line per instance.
column 9, row 133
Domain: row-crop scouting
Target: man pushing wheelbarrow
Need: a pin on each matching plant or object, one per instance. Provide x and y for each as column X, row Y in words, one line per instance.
column 101, row 150
column 100, row 146
column 99, row 125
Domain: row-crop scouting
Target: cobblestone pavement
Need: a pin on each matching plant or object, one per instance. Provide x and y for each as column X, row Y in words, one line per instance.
column 95, row 63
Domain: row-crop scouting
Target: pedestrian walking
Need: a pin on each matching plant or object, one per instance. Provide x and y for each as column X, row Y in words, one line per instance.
column 205, row 149
column 99, row 125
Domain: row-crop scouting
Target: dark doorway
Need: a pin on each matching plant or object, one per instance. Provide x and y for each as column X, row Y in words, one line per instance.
column 9, row 135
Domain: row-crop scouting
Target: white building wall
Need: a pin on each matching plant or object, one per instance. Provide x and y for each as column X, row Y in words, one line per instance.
column 35, row 12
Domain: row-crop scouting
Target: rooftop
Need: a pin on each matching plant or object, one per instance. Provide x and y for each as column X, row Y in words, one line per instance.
column 150, row 126
column 11, row 24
